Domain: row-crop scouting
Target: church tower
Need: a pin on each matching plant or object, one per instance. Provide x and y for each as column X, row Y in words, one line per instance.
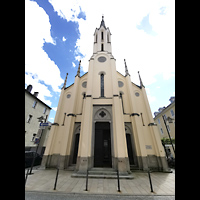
column 103, row 119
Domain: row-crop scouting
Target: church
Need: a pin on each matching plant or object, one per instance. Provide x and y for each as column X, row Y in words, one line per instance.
column 103, row 119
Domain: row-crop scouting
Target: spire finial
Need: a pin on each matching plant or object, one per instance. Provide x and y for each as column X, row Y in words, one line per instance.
column 141, row 84
column 126, row 69
column 79, row 68
column 102, row 22
column 65, row 81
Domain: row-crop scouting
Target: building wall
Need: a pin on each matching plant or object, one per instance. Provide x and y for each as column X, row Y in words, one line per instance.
column 169, row 111
column 33, row 126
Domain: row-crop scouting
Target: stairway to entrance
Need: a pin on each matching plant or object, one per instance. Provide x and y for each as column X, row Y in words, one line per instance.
column 98, row 172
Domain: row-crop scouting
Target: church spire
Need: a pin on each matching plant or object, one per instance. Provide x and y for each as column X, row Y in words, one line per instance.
column 126, row 69
column 141, row 84
column 102, row 23
column 79, row 68
column 65, row 81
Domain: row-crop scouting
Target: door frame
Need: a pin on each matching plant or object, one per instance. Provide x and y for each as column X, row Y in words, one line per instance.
column 97, row 109
column 103, row 136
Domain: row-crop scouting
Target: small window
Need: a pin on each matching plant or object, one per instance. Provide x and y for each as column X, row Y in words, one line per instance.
column 159, row 121
column 96, row 37
column 108, row 37
column 161, row 130
column 101, row 35
column 34, row 104
column 172, row 112
column 101, row 47
column 45, row 109
column 102, row 85
column 29, row 118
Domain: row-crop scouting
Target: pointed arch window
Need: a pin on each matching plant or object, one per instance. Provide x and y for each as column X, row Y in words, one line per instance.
column 102, row 85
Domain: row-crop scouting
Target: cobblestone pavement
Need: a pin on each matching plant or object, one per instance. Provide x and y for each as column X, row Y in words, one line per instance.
column 43, row 181
column 61, row 196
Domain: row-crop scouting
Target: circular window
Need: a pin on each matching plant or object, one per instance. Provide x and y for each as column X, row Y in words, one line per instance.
column 84, row 84
column 68, row 96
column 120, row 84
column 102, row 59
column 137, row 94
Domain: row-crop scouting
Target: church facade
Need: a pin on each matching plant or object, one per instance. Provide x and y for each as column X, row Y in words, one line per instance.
column 103, row 119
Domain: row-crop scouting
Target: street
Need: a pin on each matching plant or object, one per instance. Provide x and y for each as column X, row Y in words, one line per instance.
column 61, row 196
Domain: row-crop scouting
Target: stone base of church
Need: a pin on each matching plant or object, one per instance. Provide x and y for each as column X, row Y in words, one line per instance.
column 151, row 162
column 84, row 163
column 54, row 161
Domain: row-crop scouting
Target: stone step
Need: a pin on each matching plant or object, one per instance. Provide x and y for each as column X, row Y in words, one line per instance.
column 76, row 175
column 102, row 169
column 102, row 173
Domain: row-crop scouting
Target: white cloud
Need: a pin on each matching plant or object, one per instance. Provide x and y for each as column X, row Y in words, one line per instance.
column 64, row 39
column 54, row 108
column 38, row 87
column 37, row 62
column 151, row 55
column 73, row 64
column 150, row 97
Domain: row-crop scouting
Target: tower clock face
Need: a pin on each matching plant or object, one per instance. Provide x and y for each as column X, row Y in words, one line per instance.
column 102, row 59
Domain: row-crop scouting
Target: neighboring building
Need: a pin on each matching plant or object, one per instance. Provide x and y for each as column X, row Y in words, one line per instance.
column 168, row 113
column 35, row 108
column 103, row 119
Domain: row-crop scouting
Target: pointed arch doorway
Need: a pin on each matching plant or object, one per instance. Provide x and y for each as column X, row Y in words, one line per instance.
column 102, row 145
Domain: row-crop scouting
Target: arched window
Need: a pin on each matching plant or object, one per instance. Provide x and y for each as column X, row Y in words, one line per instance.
column 102, row 35
column 102, row 85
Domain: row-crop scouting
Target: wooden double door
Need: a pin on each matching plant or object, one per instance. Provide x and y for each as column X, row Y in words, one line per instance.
column 102, row 145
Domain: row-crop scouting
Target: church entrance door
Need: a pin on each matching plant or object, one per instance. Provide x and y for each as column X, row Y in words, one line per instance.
column 102, row 145
column 129, row 148
column 76, row 148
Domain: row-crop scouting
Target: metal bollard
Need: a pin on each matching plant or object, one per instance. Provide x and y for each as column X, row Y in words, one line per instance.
column 56, row 179
column 118, row 181
column 26, row 175
column 150, row 181
column 86, row 189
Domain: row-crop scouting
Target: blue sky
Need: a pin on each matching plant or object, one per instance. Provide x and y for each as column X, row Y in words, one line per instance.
column 58, row 33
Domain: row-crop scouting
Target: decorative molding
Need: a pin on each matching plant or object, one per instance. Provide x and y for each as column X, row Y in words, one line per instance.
column 133, row 114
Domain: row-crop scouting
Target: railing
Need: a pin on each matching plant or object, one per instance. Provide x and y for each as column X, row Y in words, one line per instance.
column 86, row 187
column 150, row 181
column 56, row 178
column 86, row 183
column 118, row 183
